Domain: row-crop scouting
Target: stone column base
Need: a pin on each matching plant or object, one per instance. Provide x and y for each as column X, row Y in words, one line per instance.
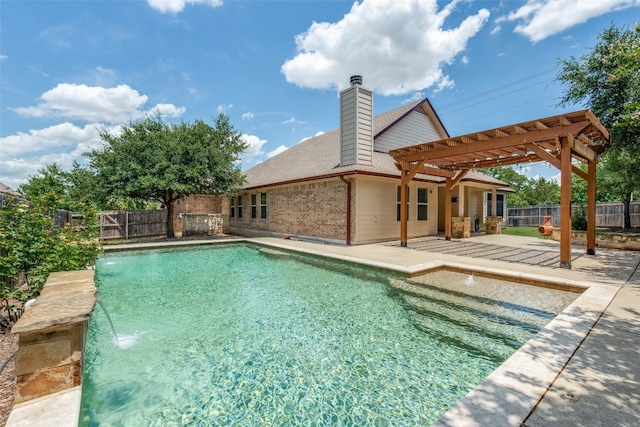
column 461, row 227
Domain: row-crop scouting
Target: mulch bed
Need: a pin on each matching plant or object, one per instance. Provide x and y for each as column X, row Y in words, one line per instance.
column 8, row 346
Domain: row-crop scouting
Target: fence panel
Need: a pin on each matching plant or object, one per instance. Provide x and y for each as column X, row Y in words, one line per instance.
column 130, row 224
column 607, row 214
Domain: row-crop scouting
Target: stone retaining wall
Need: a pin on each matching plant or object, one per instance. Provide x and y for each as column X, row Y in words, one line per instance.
column 629, row 241
column 52, row 335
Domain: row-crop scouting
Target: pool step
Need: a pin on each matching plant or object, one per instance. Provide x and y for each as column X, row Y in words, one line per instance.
column 490, row 324
column 520, row 314
column 492, row 329
column 471, row 341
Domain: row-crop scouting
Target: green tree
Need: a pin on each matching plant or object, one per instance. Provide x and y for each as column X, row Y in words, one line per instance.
column 154, row 160
column 607, row 81
column 32, row 246
column 528, row 191
column 51, row 187
column 541, row 191
column 622, row 169
column 516, row 181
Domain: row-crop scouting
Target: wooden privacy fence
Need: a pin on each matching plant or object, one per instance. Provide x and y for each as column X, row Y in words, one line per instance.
column 130, row 224
column 607, row 214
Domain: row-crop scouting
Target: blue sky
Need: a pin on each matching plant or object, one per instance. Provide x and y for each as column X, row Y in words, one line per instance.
column 70, row 69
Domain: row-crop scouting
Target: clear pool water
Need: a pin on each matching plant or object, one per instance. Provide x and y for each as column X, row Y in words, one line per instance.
column 240, row 336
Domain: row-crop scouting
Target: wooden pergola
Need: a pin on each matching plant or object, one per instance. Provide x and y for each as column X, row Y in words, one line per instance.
column 562, row 141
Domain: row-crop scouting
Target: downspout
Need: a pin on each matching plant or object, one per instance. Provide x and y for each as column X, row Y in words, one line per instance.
column 348, row 209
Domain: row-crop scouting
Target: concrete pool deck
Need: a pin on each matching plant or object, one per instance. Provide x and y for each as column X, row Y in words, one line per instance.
column 599, row 385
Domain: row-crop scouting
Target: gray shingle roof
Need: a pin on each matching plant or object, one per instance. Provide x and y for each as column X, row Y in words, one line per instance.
column 6, row 189
column 320, row 156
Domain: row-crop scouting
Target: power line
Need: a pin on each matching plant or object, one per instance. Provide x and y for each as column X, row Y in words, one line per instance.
column 496, row 89
column 467, row 120
column 495, row 97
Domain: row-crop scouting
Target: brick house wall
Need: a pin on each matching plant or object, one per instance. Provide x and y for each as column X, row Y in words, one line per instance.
column 199, row 203
column 316, row 208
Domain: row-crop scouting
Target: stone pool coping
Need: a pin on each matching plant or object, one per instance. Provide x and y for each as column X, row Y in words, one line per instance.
column 506, row 397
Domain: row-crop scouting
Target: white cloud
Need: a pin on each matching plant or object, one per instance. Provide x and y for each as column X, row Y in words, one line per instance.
column 309, row 137
column 398, row 46
column 175, row 6
column 539, row 19
column 496, row 30
column 95, row 104
column 223, row 108
column 465, row 60
column 53, row 137
column 3, row 57
column 254, row 151
column 24, row 153
column 277, row 151
column 247, row 116
column 292, row 121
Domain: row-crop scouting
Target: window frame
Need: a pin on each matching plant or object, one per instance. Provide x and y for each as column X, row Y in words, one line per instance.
column 424, row 205
column 398, row 196
column 254, row 209
column 263, row 205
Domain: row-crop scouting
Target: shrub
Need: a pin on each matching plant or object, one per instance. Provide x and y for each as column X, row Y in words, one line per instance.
column 579, row 219
column 32, row 246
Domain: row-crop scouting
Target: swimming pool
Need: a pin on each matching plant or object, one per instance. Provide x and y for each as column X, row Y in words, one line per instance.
column 236, row 335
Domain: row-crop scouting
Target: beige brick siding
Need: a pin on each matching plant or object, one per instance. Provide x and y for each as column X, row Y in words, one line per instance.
column 318, row 209
column 199, row 203
column 315, row 208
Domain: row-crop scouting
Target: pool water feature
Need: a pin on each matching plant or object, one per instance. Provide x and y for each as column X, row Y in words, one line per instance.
column 236, row 335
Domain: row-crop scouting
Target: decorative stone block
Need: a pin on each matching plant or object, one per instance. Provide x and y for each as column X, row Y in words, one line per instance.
column 461, row 227
column 494, row 225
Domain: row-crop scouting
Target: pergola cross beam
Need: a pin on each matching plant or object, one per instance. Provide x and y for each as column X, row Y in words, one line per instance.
column 556, row 140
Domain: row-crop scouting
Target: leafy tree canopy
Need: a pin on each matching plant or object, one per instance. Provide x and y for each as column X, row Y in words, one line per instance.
column 154, row 160
column 607, row 81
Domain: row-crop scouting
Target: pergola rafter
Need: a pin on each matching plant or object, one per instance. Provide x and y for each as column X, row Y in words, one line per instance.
column 557, row 140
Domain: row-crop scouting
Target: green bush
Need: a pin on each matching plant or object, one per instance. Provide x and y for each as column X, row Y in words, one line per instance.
column 579, row 219
column 32, row 246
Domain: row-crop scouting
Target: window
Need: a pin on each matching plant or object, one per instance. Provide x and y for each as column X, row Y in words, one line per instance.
column 254, row 209
column 232, row 212
column 499, row 205
column 263, row 205
column 239, row 206
column 398, row 204
column 423, row 200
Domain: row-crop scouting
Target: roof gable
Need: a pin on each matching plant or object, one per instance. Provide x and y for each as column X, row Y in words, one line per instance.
column 320, row 156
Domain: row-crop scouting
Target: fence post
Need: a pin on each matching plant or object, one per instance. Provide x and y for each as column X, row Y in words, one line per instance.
column 126, row 225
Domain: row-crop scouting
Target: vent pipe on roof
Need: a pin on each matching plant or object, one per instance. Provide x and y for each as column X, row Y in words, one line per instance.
column 356, row 80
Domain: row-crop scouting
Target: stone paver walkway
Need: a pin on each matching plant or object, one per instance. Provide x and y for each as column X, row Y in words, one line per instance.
column 544, row 256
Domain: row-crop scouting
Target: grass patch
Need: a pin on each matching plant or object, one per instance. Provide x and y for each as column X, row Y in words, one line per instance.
column 521, row 231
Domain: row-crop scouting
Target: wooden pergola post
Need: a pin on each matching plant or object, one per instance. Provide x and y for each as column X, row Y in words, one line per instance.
column 407, row 172
column 591, row 208
column 565, row 201
column 404, row 196
column 449, row 184
column 447, row 208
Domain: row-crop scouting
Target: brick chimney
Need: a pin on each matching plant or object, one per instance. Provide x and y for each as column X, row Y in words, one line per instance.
column 356, row 124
